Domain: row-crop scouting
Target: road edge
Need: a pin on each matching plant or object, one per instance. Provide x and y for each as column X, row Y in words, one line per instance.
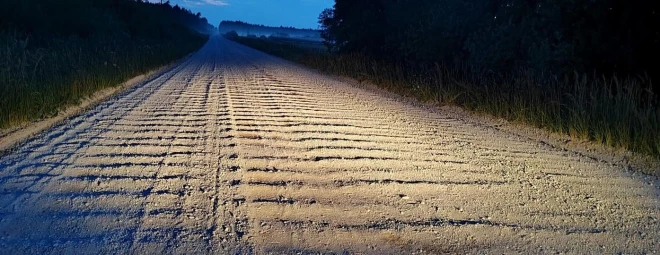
column 632, row 163
column 12, row 137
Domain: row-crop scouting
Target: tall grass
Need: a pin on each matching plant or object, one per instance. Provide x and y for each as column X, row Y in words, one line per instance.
column 36, row 82
column 622, row 113
column 55, row 53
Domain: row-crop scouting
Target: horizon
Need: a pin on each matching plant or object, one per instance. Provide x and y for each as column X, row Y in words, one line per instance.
column 248, row 23
column 287, row 13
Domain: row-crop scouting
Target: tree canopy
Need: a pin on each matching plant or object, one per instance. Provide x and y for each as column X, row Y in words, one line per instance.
column 556, row 36
column 108, row 18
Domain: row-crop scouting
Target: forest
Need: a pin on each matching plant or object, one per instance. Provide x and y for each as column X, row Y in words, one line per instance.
column 55, row 53
column 556, row 36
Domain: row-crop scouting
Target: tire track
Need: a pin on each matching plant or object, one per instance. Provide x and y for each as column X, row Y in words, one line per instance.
column 237, row 152
column 333, row 169
column 132, row 177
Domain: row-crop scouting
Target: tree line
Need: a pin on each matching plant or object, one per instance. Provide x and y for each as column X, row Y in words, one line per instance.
column 551, row 36
column 115, row 18
column 245, row 28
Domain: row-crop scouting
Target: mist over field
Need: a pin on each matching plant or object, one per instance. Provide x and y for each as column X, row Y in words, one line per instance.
column 246, row 29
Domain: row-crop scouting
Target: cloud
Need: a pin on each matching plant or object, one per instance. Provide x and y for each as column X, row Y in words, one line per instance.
column 204, row 2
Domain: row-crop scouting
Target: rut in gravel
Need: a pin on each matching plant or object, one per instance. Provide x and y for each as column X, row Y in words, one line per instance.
column 234, row 151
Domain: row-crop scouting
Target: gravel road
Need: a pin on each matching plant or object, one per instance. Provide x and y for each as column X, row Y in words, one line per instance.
column 234, row 151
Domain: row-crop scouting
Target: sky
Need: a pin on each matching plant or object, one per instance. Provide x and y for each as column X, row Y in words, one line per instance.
column 290, row 13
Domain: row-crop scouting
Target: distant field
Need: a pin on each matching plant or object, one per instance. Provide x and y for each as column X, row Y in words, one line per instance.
column 292, row 49
column 300, row 42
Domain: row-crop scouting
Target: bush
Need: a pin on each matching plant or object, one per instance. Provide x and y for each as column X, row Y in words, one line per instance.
column 231, row 35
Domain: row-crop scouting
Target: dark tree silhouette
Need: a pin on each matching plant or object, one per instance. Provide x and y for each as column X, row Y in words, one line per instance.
column 558, row 36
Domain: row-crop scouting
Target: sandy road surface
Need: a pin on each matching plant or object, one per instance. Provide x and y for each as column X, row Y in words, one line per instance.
column 234, row 151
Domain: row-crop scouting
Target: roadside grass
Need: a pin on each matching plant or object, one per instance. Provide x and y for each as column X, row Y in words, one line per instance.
column 36, row 82
column 621, row 113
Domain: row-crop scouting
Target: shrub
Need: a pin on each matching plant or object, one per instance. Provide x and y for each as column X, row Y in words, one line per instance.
column 231, row 35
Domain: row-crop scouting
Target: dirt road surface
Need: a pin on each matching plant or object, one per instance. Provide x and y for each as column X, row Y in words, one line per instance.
column 237, row 152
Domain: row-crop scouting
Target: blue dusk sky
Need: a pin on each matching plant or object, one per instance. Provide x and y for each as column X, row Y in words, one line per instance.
column 293, row 13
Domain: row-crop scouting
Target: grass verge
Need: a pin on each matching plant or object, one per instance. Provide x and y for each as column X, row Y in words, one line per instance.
column 621, row 113
column 37, row 82
column 56, row 53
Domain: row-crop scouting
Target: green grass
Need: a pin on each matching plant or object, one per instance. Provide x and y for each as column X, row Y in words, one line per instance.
column 36, row 82
column 621, row 113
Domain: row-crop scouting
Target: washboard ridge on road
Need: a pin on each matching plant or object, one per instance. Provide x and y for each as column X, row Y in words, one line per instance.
column 237, row 152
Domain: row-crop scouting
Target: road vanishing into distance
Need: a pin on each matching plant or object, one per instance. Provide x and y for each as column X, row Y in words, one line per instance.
column 233, row 151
